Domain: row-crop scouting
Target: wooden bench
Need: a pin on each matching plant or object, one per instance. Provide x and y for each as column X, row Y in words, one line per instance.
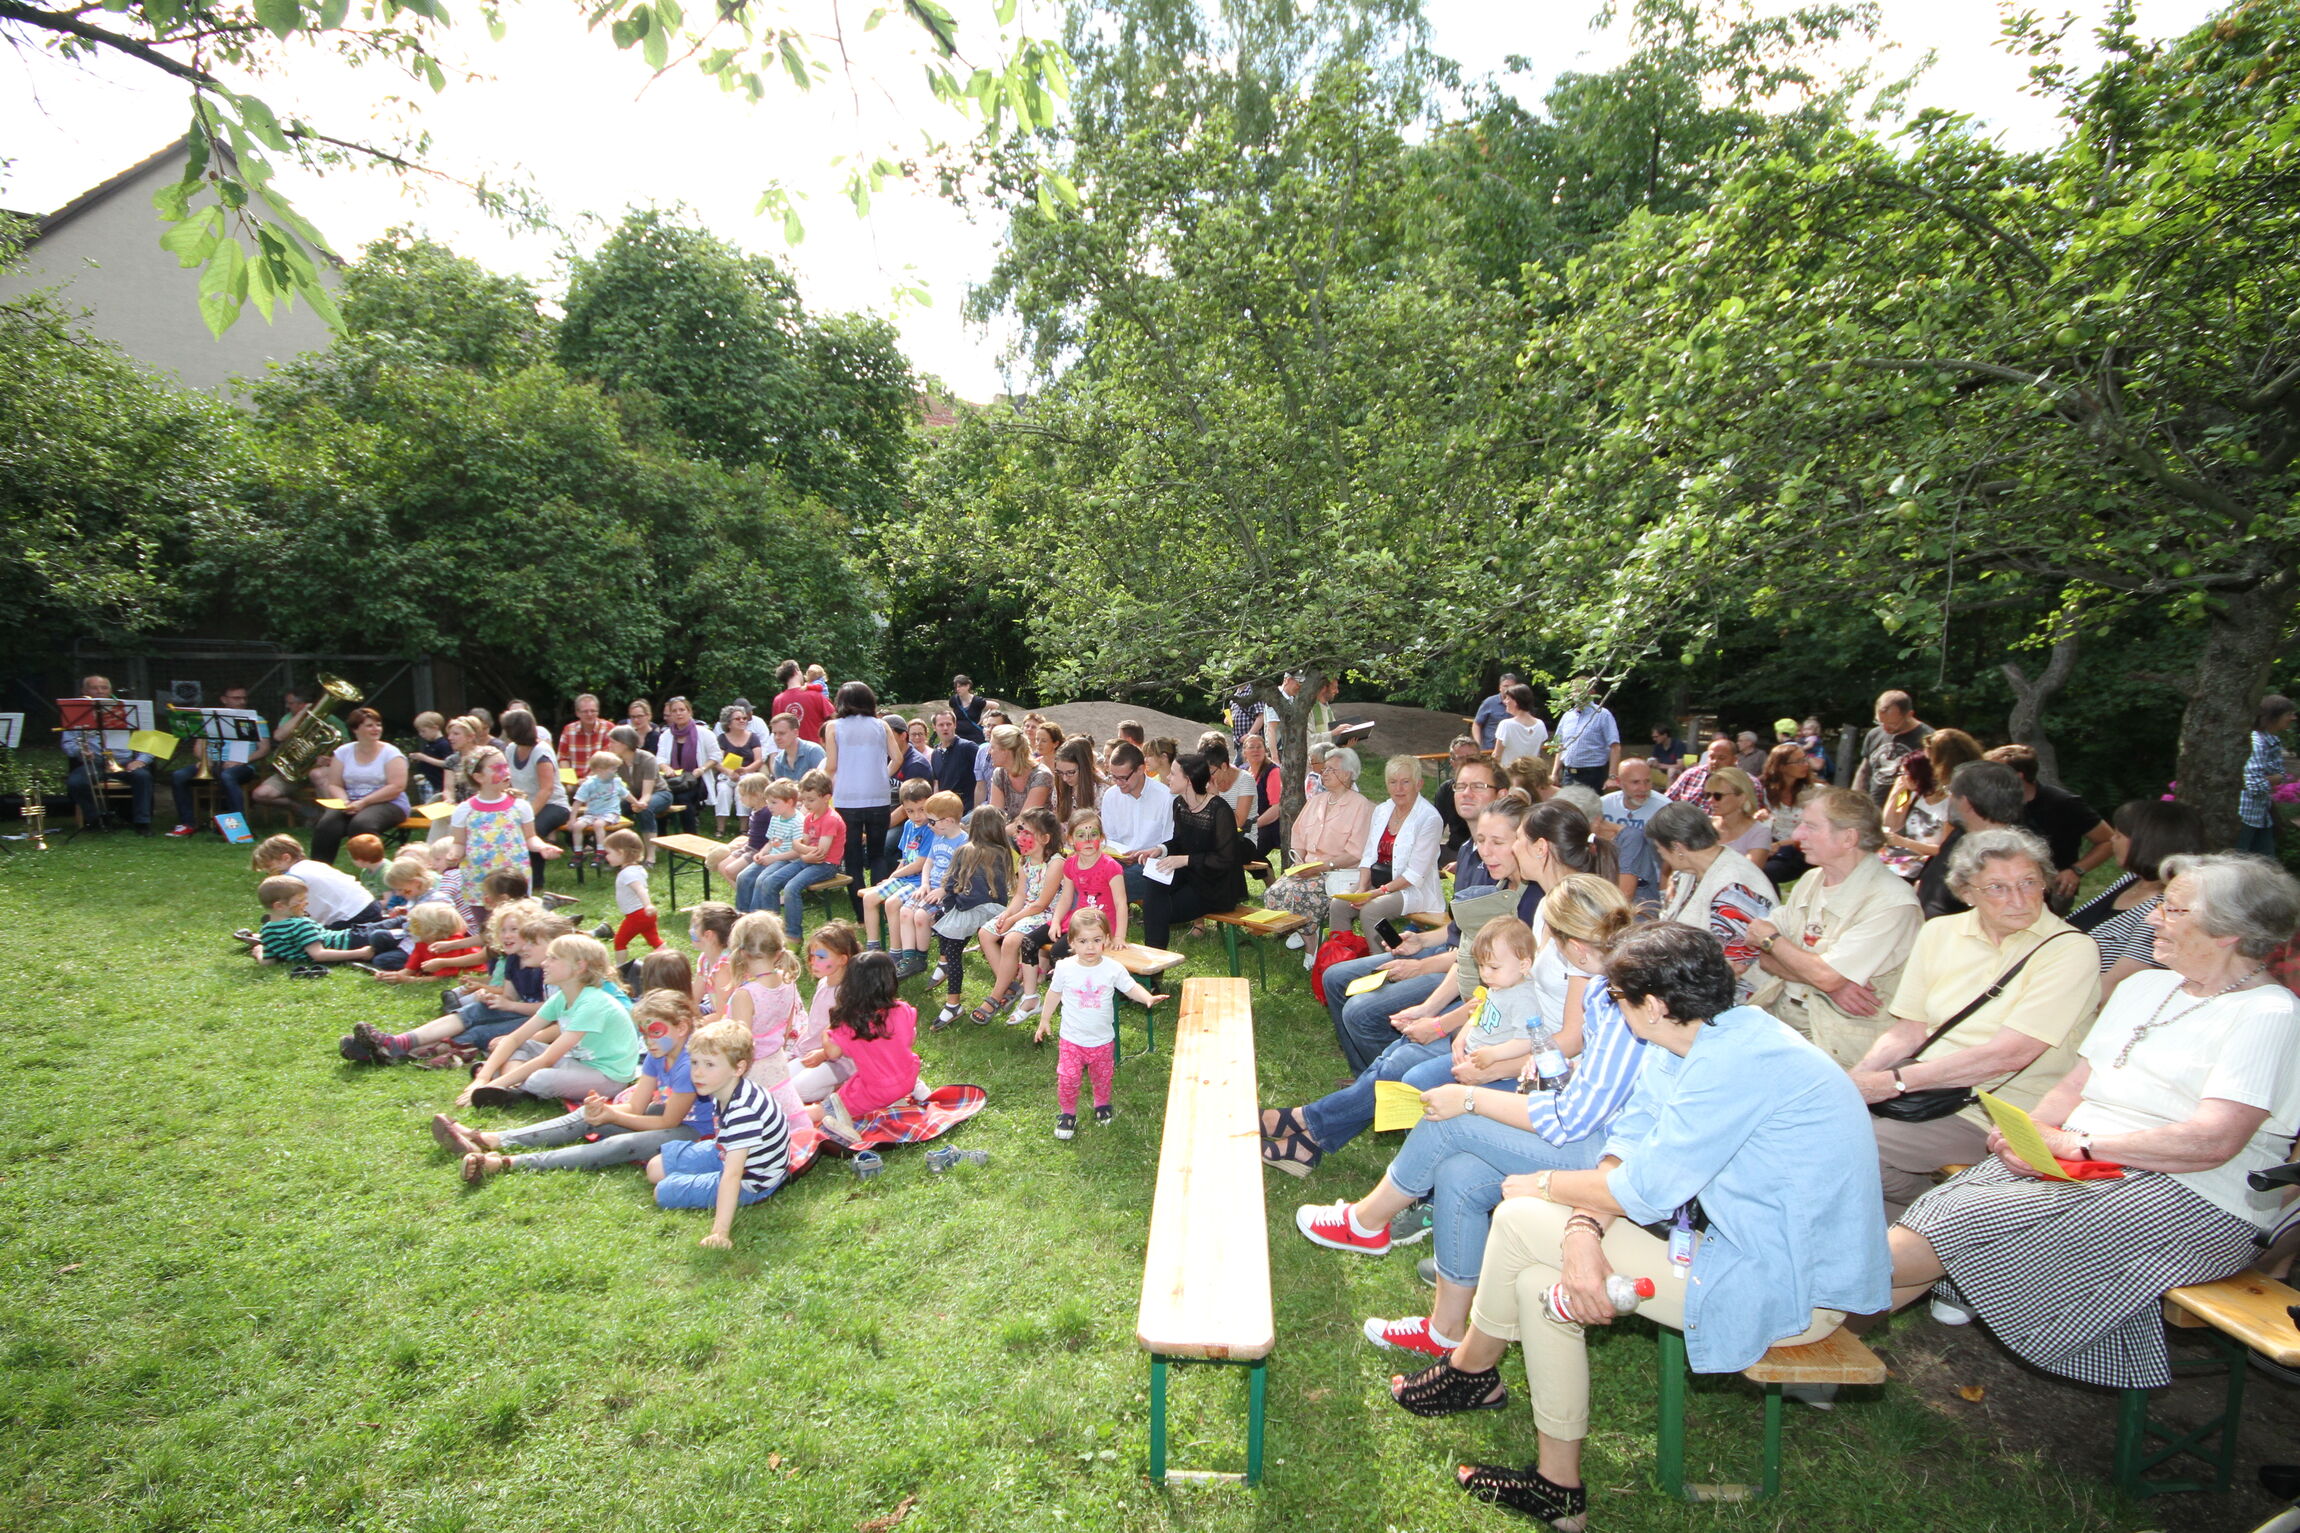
column 1146, row 964
column 2245, row 1313
column 1837, row 1358
column 701, row 852
column 1206, row 1272
column 1261, row 925
column 420, row 820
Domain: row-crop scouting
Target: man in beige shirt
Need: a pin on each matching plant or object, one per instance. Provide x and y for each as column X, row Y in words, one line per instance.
column 2017, row 1045
column 1835, row 947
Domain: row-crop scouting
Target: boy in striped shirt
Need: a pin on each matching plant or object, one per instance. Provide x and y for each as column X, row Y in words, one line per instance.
column 291, row 936
column 747, row 1160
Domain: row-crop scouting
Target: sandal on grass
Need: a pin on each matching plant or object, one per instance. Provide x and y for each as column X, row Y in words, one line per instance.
column 1295, row 1154
column 1563, row 1507
column 479, row 1165
column 452, row 1135
column 1441, row 1389
column 981, row 1015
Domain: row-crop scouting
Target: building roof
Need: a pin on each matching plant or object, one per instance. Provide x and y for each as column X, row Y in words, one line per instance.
column 95, row 196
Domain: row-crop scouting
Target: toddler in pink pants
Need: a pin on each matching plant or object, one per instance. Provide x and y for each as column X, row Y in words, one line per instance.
column 1086, row 986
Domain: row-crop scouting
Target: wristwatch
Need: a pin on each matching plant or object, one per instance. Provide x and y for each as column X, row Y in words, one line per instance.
column 1900, row 1087
column 1766, row 946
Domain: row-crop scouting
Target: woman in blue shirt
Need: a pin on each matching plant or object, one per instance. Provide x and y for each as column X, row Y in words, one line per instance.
column 1737, row 1115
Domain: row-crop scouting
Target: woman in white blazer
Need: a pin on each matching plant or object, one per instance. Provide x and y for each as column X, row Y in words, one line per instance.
column 1399, row 866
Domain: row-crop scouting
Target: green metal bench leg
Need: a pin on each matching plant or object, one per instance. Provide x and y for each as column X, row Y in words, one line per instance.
column 1671, row 1465
column 1772, row 1440
column 2134, row 1430
column 1230, row 946
column 1258, row 1376
column 1157, row 1420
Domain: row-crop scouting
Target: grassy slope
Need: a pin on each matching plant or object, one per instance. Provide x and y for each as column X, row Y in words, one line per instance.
column 284, row 1310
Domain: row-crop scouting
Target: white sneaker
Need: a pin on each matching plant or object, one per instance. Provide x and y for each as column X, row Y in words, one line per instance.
column 1294, row 940
column 1951, row 1314
column 1309, row 959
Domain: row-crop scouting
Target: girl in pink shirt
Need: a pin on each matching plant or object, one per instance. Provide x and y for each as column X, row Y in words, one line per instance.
column 872, row 1028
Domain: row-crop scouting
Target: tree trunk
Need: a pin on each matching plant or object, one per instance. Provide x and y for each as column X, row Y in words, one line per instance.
column 2241, row 641
column 2029, row 698
column 1294, row 746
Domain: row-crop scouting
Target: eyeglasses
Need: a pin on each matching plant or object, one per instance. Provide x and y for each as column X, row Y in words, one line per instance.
column 1066, row 771
column 1719, row 796
column 2169, row 912
column 2027, row 886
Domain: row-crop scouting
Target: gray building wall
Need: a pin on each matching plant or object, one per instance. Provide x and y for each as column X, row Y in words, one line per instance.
column 102, row 253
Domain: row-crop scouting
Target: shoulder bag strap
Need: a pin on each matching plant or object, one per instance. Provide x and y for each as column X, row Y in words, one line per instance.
column 1986, row 996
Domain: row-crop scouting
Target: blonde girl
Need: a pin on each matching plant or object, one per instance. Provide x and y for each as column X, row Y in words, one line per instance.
column 596, row 1047
column 765, row 999
column 662, row 1107
column 1016, row 782
column 494, row 827
column 980, row 885
column 1038, row 840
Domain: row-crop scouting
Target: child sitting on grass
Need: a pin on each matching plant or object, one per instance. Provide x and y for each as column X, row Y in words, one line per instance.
column 291, row 936
column 1038, row 838
column 753, row 1148
column 709, row 926
column 367, row 863
column 913, row 830
column 443, row 947
column 872, row 1029
column 981, row 881
column 599, row 799
column 911, row 923
column 1085, row 984
column 765, row 999
column 504, row 886
column 594, row 1047
column 661, row 1108
column 519, row 932
column 408, row 882
column 338, row 901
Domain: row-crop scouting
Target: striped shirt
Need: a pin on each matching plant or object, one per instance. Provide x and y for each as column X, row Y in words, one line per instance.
column 2120, row 933
column 289, row 940
column 2261, row 770
column 752, row 1121
column 1602, row 1079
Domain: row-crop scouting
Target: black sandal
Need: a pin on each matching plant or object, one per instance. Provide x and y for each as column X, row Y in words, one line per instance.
column 1295, row 1153
column 1441, row 1389
column 1564, row 1507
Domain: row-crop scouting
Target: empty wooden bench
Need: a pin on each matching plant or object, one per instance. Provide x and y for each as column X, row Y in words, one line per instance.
column 1837, row 1358
column 1206, row 1272
column 2245, row 1313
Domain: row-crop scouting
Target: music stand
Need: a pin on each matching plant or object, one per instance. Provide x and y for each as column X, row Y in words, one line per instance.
column 104, row 718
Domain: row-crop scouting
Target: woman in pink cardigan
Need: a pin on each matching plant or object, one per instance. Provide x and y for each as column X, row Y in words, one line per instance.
column 1328, row 838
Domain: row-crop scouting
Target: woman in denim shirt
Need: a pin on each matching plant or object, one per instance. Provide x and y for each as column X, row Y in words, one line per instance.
column 1740, row 1113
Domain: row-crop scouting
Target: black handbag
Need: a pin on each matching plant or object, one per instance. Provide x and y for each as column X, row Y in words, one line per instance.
column 1943, row 1101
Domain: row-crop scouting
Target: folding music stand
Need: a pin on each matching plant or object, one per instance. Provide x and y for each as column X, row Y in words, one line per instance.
column 93, row 716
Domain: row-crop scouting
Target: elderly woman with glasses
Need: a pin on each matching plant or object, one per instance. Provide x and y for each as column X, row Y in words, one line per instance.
column 2190, row 1081
column 1995, row 997
column 1327, row 840
column 1741, row 1134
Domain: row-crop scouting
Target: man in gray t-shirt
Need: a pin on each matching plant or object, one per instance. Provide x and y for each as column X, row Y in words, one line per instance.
column 1898, row 734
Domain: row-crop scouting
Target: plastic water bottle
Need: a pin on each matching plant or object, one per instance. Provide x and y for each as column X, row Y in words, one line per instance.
column 1551, row 1069
column 1623, row 1293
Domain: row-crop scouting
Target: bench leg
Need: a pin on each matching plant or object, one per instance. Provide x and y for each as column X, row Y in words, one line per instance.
column 1157, row 1419
column 1670, row 1465
column 1230, row 948
column 1257, row 1377
column 2214, row 1441
column 1773, row 1404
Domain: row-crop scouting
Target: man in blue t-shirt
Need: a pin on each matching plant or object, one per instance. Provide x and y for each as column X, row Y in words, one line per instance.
column 1493, row 710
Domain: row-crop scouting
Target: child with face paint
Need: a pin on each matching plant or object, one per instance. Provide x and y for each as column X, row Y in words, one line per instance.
column 661, row 1107
column 753, row 1149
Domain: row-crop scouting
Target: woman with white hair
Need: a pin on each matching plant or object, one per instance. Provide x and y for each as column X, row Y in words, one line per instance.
column 2190, row 1081
column 1327, row 840
column 1399, row 865
column 1996, row 997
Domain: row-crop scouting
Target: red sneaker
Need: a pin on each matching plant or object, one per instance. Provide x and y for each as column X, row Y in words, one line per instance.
column 1407, row 1336
column 179, row 832
column 1328, row 1225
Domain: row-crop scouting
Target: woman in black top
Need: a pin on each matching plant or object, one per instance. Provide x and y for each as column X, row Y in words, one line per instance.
column 1205, row 855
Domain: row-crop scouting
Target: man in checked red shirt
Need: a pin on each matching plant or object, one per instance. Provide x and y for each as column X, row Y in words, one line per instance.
column 581, row 739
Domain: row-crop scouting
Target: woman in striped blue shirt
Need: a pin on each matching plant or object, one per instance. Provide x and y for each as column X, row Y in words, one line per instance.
column 1474, row 1137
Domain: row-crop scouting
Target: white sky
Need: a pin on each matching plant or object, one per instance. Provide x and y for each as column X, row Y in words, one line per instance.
column 583, row 125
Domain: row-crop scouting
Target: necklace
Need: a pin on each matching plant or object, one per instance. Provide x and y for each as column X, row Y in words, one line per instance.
column 2157, row 1018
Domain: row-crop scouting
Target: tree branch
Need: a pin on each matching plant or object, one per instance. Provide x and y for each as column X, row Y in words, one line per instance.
column 144, row 53
column 2275, row 393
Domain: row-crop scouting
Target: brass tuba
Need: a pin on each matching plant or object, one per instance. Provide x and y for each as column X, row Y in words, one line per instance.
column 315, row 734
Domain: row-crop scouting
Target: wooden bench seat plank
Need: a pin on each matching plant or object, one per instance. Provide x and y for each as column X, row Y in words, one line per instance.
column 2246, row 1307
column 1837, row 1358
column 1261, row 921
column 1206, row 1273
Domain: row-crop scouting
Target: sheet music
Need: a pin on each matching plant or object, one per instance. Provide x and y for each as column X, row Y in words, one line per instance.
column 11, row 730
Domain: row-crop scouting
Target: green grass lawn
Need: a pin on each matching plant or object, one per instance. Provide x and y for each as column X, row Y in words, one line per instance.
column 242, row 1289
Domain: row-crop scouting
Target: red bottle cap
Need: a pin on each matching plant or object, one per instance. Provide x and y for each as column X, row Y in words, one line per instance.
column 1645, row 1289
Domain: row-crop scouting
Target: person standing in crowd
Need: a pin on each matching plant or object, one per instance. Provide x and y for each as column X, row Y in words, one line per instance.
column 583, row 735
column 1490, row 713
column 85, row 750
column 1522, row 733
column 2072, row 829
column 954, row 759
column 1588, row 739
column 232, row 777
column 1897, row 734
column 966, row 705
column 863, row 755
column 1836, row 946
column 1983, row 795
column 813, row 709
column 2264, row 772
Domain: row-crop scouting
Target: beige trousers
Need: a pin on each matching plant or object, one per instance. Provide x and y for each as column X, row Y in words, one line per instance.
column 1909, row 1153
column 1521, row 1262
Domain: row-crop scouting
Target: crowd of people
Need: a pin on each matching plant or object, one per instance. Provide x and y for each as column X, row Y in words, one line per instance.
column 1695, row 1019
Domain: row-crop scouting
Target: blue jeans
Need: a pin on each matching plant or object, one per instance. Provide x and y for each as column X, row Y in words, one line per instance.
column 1340, row 1116
column 747, row 895
column 139, row 781
column 646, row 816
column 483, row 1024
column 691, row 1177
column 1362, row 1022
column 2260, row 840
column 1459, row 1163
column 794, row 889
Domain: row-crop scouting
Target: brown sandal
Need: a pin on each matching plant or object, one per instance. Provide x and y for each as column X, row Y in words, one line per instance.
column 479, row 1165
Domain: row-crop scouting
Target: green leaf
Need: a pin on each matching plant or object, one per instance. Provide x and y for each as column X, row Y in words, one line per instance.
column 655, row 48
column 870, row 22
column 332, row 13
column 196, row 238
column 793, row 64
column 172, row 202
column 278, row 17
column 262, row 123
column 223, row 287
column 793, row 230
